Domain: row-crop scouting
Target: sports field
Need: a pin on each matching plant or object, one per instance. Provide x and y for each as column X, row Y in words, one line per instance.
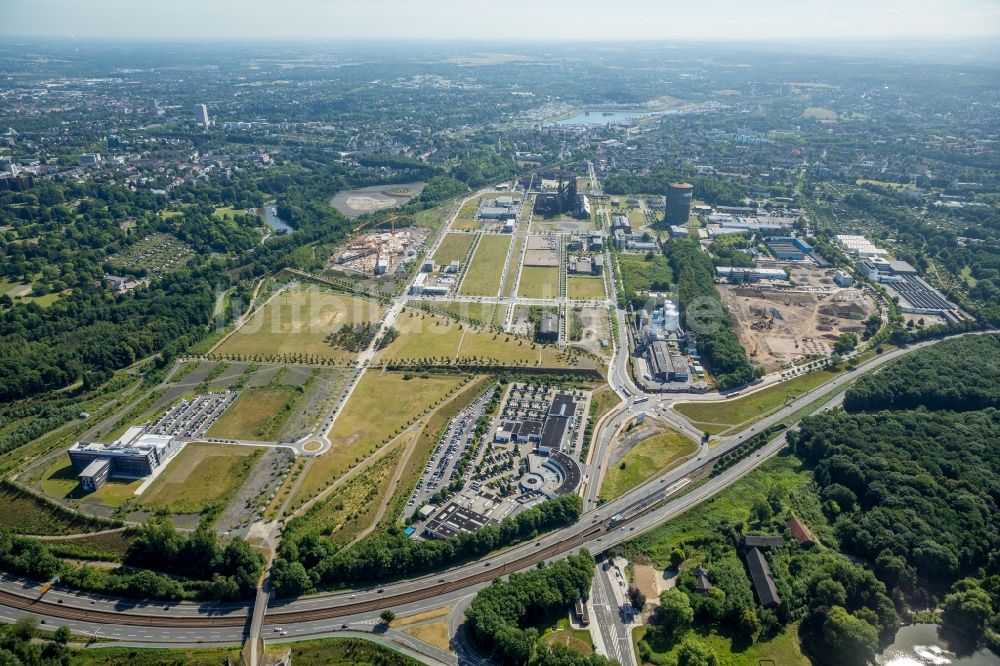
column 650, row 457
column 585, row 287
column 200, row 476
column 367, row 422
column 453, row 247
column 257, row 414
column 486, row 269
column 296, row 322
column 539, row 282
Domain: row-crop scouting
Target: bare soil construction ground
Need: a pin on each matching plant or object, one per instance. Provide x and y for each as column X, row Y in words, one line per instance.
column 779, row 327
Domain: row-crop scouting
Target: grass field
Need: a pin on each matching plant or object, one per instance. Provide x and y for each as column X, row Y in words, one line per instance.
column 645, row 460
column 486, row 314
column 433, row 633
column 365, row 423
column 604, row 400
column 351, row 508
column 60, row 480
column 486, row 269
column 641, row 274
column 539, row 282
column 820, row 114
column 585, row 288
column 577, row 640
column 426, row 336
column 781, row 650
column 512, row 265
column 297, row 321
column 200, row 476
column 256, row 414
column 749, row 409
column 453, row 247
column 23, row 513
column 321, row 652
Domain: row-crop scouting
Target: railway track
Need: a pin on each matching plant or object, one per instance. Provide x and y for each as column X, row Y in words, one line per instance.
column 41, row 607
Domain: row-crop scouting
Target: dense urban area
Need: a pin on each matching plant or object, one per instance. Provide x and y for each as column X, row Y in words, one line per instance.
column 395, row 354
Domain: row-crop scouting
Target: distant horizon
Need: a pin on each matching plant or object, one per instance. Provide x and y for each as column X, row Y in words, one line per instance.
column 514, row 20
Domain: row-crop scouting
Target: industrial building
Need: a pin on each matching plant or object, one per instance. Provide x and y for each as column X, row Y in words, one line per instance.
column 843, row 279
column 859, row 246
column 788, row 248
column 678, row 206
column 135, row 454
column 666, row 364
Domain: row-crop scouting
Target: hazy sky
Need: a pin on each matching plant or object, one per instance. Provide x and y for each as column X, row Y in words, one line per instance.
column 499, row 19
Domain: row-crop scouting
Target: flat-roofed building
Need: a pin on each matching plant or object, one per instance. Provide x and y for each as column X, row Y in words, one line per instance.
column 95, row 474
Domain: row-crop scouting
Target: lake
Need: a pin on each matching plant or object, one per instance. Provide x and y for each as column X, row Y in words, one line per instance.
column 596, row 117
column 920, row 645
column 357, row 202
column 272, row 220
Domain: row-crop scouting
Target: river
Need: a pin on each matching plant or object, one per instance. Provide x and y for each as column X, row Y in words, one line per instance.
column 920, row 645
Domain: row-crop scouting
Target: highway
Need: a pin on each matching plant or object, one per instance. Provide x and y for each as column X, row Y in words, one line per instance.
column 317, row 615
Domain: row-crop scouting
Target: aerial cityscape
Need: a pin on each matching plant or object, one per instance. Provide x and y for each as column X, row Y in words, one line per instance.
column 416, row 347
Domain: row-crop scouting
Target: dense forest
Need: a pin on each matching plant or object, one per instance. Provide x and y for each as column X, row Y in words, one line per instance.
column 958, row 374
column 914, row 488
column 307, row 560
column 504, row 619
column 704, row 313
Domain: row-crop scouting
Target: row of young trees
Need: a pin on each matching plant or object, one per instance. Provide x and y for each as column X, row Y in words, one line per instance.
column 503, row 619
column 307, row 560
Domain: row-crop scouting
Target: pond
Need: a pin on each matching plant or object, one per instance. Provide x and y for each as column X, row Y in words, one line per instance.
column 597, row 117
column 271, row 219
column 920, row 645
column 357, row 202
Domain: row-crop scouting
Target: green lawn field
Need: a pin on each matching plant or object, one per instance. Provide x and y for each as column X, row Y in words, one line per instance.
column 539, row 282
column 650, row 457
column 453, row 247
column 256, row 414
column 749, row 409
column 297, row 320
column 585, row 287
column 366, row 422
column 199, row 476
column 486, row 269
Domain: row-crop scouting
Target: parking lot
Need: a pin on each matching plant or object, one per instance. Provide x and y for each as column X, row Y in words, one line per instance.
column 192, row 418
column 440, row 469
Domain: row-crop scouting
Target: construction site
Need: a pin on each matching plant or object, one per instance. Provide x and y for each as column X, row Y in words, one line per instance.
column 380, row 253
column 780, row 327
